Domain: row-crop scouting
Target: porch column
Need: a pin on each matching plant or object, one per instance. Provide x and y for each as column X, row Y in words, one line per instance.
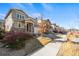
column 25, row 27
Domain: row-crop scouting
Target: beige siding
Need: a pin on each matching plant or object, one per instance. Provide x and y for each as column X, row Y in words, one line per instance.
column 18, row 12
column 8, row 22
column 16, row 25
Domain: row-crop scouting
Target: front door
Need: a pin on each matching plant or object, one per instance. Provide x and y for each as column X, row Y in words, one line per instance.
column 29, row 27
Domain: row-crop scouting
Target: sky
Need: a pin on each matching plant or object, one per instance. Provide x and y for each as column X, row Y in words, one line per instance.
column 63, row 14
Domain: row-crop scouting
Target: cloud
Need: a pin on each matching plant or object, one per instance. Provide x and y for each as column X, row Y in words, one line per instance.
column 30, row 4
column 32, row 7
column 74, row 23
column 36, row 15
column 19, row 6
column 2, row 16
column 47, row 7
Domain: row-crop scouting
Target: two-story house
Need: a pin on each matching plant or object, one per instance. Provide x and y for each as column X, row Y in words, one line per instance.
column 18, row 20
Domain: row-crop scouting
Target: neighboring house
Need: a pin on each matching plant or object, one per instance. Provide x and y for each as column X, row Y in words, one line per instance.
column 1, row 24
column 58, row 29
column 18, row 20
column 54, row 26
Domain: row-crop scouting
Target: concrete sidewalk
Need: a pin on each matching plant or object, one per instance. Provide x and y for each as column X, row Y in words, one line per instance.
column 50, row 49
column 75, row 40
column 62, row 40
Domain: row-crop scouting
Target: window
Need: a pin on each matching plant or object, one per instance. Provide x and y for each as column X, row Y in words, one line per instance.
column 17, row 16
column 22, row 17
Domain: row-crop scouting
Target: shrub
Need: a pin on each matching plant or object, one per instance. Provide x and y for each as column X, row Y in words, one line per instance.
column 16, row 40
column 2, row 34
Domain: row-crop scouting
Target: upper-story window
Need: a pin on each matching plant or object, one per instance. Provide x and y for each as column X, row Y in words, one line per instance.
column 19, row 16
column 22, row 17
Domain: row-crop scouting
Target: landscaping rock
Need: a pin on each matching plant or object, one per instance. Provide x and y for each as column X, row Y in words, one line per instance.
column 30, row 46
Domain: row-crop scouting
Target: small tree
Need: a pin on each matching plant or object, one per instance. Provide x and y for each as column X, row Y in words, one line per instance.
column 44, row 26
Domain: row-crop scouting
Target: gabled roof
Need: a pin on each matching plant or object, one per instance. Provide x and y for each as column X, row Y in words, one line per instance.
column 15, row 10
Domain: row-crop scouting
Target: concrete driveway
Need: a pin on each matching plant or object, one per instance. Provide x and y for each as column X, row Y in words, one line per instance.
column 76, row 40
column 61, row 39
